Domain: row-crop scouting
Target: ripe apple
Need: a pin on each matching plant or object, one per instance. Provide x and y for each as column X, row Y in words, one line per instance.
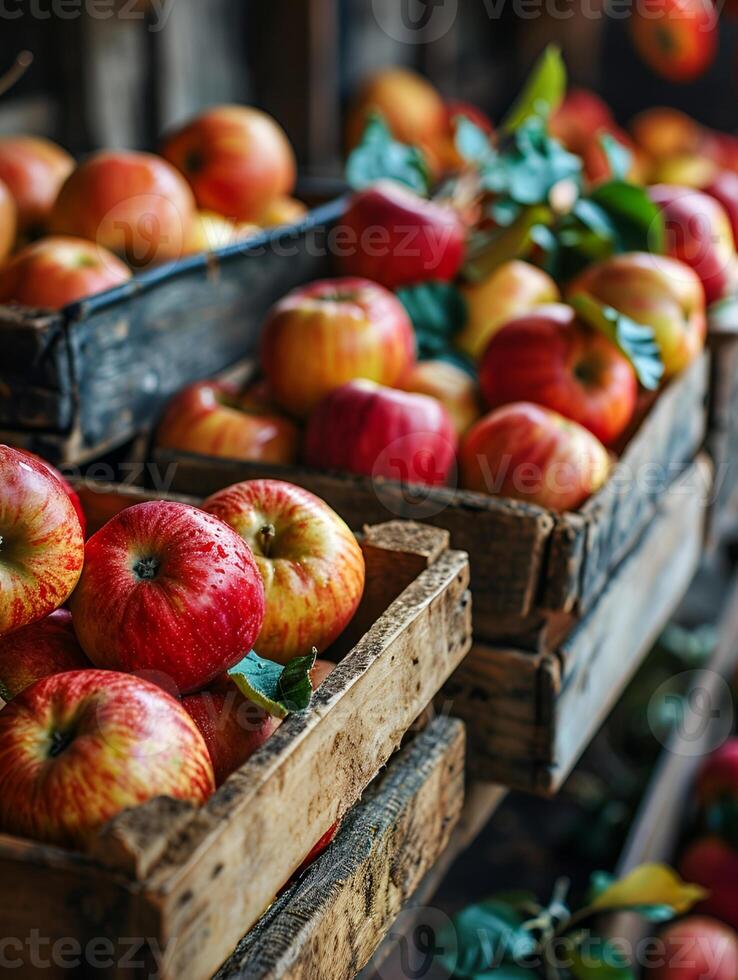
column 211, row 231
column 34, row 170
column 77, row 748
column 8, row 222
column 168, row 589
column 311, row 564
column 719, row 774
column 698, row 233
column 513, row 288
column 724, row 188
column 686, row 171
column 656, row 290
column 531, row 453
column 282, row 211
column 68, row 489
column 454, row 388
column 329, row 332
column 363, row 427
column 135, row 204
column 213, row 418
column 581, row 114
column 409, row 104
column 713, row 864
column 662, row 132
column 550, row 357
column 677, row 39
column 41, row 541
column 49, row 646
column 236, row 158
column 721, row 149
column 56, row 271
column 395, row 237
column 696, row 948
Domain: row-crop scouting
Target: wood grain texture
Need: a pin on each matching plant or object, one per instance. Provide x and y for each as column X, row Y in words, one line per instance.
column 328, row 925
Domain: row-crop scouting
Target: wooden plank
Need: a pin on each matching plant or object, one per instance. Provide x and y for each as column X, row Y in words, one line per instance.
column 327, row 926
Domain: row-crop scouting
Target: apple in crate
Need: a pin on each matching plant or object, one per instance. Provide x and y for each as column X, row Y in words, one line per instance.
column 34, row 170
column 47, row 647
column 134, row 204
column 550, row 357
column 531, row 453
column 451, row 385
column 68, row 489
column 724, row 188
column 395, row 237
column 655, row 290
column 282, row 211
column 215, row 419
column 365, row 428
column 77, row 748
column 211, row 231
column 718, row 777
column 332, row 331
column 713, row 864
column 311, row 564
column 41, row 541
column 58, row 270
column 696, row 948
column 236, row 158
column 169, row 590
column 8, row 222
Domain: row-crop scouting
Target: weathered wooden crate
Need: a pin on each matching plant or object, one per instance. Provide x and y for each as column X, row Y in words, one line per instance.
column 531, row 715
column 534, row 572
column 186, row 884
column 722, row 440
column 77, row 383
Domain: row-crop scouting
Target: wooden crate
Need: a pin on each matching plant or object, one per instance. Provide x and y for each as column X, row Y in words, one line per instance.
column 534, row 572
column 77, row 383
column 189, row 883
column 531, row 715
column 722, row 440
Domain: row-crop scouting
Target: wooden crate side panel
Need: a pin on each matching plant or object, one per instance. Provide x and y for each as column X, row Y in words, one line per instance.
column 36, row 390
column 327, row 926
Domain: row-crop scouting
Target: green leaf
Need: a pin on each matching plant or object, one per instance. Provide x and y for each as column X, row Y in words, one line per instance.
column 619, row 157
column 532, row 165
column 277, row 689
column 635, row 340
column 542, row 94
column 599, row 882
column 481, row 938
column 437, row 311
column 472, row 143
column 378, row 156
column 639, row 222
column 506, row 971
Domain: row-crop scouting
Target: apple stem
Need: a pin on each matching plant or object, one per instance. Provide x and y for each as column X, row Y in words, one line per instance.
column 17, row 70
column 146, row 568
column 59, row 742
column 266, row 535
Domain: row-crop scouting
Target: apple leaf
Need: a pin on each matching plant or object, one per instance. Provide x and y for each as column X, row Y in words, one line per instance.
column 653, row 890
column 635, row 340
column 437, row 311
column 472, row 143
column 378, row 156
column 277, row 689
column 542, row 94
column 619, row 157
column 637, row 221
column 481, row 938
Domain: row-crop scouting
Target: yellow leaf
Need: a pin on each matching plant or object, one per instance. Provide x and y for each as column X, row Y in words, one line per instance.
column 650, row 884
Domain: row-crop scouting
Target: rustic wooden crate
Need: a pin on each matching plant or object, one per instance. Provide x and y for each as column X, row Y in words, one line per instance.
column 534, row 572
column 77, row 383
column 531, row 715
column 722, row 439
column 191, row 882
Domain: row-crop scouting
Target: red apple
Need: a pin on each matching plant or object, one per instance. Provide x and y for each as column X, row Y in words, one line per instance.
column 47, row 647
column 311, row 564
column 698, row 233
column 579, row 117
column 454, row 388
column 530, row 453
column 211, row 417
column 696, row 948
column 550, row 357
column 719, row 774
column 56, row 271
column 68, row 489
column 134, row 204
column 677, row 39
column 168, row 589
column 34, row 170
column 656, row 290
column 662, row 132
column 77, row 748
column 724, row 188
column 41, row 542
column 8, row 222
column 236, row 158
column 395, row 237
column 329, row 332
column 711, row 863
column 596, row 163
column 363, row 427
column 211, row 231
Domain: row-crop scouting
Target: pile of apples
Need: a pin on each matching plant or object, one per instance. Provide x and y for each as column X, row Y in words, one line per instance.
column 114, row 653
column 69, row 231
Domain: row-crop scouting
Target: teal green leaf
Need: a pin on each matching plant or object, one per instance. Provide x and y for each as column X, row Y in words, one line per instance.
column 619, row 157
column 380, row 157
column 542, row 94
column 261, row 681
column 437, row 311
column 472, row 143
column 294, row 686
column 481, row 938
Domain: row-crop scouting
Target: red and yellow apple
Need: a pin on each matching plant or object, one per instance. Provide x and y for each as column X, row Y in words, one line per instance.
column 513, row 288
column 662, row 132
column 677, row 39
column 550, row 357
column 134, row 204
column 282, row 211
column 713, row 864
column 168, row 590
column 724, row 188
column 365, row 428
column 236, row 158
column 310, row 562
column 696, row 948
column 68, row 489
column 454, row 388
column 34, row 170
column 211, row 231
column 56, row 271
column 213, row 418
column 47, row 647
column 391, row 235
column 531, row 453
column 77, row 748
column 329, row 332
column 8, row 222
column 655, row 290
column 41, row 541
